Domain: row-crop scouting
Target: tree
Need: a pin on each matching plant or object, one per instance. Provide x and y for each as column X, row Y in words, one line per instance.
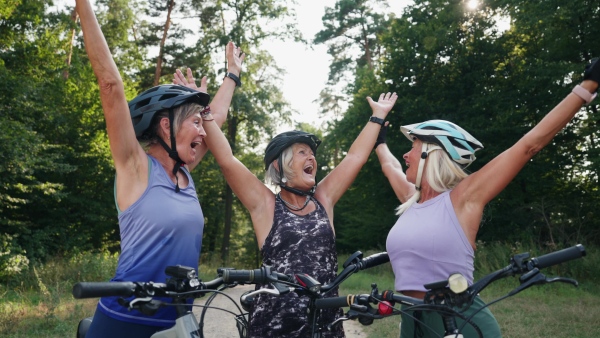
column 449, row 63
column 351, row 25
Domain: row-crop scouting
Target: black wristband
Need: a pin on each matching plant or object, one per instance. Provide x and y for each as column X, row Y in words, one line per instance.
column 235, row 78
column 377, row 120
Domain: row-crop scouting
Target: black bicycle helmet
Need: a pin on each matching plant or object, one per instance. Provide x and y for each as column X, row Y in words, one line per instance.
column 144, row 106
column 280, row 142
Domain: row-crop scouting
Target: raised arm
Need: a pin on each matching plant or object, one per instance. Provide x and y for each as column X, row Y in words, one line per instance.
column 332, row 187
column 222, row 100
column 473, row 193
column 253, row 194
column 130, row 160
column 392, row 169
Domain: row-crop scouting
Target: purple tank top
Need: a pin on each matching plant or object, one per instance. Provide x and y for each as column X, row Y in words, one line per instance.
column 427, row 244
column 161, row 228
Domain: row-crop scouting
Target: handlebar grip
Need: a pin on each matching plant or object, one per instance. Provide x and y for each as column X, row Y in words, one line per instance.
column 245, row 276
column 103, row 289
column 373, row 260
column 558, row 257
column 331, row 302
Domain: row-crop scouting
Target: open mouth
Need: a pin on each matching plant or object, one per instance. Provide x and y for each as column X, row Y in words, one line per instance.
column 194, row 144
column 308, row 169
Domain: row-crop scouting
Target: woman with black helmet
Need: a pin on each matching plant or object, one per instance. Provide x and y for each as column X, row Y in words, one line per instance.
column 442, row 205
column 294, row 227
column 160, row 217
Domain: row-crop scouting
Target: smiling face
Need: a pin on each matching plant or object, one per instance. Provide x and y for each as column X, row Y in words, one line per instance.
column 412, row 159
column 304, row 167
column 189, row 137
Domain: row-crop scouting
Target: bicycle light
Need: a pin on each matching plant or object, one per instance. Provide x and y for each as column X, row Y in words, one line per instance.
column 385, row 308
column 308, row 282
column 457, row 283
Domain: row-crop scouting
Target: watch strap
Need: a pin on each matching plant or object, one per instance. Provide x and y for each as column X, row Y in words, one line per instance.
column 584, row 94
column 235, row 78
column 377, row 120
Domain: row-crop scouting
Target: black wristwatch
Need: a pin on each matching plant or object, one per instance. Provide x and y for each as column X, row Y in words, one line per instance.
column 235, row 78
column 377, row 120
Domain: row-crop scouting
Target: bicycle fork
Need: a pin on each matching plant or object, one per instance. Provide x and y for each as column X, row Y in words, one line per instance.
column 450, row 327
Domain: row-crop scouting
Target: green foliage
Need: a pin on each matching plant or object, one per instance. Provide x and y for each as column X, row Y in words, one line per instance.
column 446, row 62
column 12, row 258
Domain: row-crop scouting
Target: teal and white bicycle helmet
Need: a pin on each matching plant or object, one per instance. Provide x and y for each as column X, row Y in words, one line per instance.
column 457, row 142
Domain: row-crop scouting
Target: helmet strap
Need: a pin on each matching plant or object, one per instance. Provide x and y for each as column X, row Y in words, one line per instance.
column 173, row 150
column 298, row 192
column 425, row 150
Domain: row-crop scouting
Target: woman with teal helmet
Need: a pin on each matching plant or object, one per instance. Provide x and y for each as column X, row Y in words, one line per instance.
column 442, row 204
column 155, row 140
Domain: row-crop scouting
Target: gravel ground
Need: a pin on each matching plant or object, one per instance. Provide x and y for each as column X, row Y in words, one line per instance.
column 219, row 324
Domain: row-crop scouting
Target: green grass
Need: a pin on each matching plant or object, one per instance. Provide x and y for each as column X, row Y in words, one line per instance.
column 39, row 303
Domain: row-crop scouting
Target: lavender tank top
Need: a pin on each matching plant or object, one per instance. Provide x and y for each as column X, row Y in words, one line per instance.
column 427, row 244
column 161, row 228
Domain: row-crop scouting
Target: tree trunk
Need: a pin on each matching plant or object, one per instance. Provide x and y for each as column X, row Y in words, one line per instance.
column 74, row 17
column 162, row 43
column 232, row 132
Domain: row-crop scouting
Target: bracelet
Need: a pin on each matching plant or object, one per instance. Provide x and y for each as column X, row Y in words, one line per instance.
column 377, row 120
column 204, row 112
column 584, row 94
column 235, row 78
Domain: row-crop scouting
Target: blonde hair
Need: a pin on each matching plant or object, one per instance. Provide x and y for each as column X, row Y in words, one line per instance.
column 272, row 176
column 442, row 174
column 180, row 114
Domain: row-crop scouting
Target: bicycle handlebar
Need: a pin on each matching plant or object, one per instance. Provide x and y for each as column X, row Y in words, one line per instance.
column 100, row 289
column 373, row 261
column 440, row 294
column 558, row 257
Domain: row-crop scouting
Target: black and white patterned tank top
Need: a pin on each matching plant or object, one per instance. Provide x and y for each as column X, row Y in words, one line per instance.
column 296, row 244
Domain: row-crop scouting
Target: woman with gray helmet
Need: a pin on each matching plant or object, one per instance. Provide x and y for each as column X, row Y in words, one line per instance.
column 155, row 140
column 294, row 226
column 442, row 205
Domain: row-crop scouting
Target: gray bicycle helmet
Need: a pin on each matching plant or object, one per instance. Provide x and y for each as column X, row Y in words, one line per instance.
column 164, row 97
column 144, row 106
column 457, row 142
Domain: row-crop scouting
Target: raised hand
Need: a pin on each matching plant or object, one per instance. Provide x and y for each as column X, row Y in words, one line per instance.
column 383, row 105
column 235, row 58
column 190, row 82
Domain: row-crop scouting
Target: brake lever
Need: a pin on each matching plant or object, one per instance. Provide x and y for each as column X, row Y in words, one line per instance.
column 563, row 280
column 535, row 277
column 279, row 289
column 336, row 322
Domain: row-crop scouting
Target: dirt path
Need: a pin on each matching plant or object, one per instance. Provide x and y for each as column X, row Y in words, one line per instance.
column 219, row 324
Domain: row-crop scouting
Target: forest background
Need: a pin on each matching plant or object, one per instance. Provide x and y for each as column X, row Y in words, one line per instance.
column 444, row 60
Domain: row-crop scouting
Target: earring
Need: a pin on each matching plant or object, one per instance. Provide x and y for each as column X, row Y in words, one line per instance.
column 284, row 180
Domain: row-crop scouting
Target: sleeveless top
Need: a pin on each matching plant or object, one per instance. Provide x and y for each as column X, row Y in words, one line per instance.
column 161, row 228
column 427, row 244
column 296, row 244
